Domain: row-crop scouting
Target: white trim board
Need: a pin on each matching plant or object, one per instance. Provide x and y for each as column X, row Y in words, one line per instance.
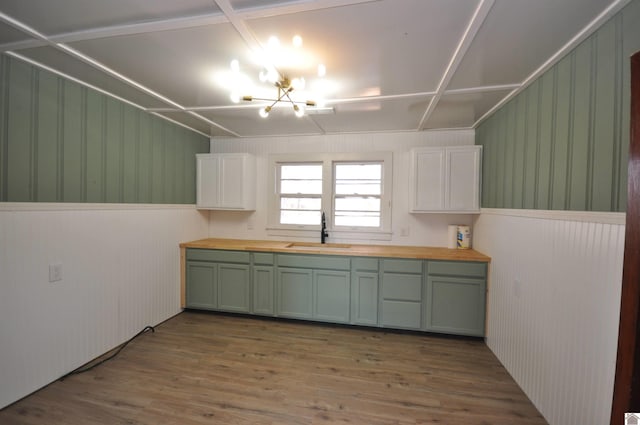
column 585, row 216
column 69, row 206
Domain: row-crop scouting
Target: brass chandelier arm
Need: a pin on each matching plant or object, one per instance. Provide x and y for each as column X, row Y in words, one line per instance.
column 303, row 102
column 284, row 88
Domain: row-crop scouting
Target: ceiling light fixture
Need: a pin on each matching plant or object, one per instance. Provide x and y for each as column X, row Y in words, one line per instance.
column 283, row 83
column 284, row 86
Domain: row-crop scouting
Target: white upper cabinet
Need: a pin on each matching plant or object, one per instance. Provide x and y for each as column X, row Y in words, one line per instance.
column 445, row 179
column 226, row 181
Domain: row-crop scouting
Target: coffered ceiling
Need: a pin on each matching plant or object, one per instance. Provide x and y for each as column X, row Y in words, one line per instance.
column 392, row 65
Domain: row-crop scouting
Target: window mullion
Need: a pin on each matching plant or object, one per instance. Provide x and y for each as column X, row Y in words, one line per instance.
column 327, row 192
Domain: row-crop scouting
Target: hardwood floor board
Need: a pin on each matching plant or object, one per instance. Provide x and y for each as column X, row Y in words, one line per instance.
column 203, row 369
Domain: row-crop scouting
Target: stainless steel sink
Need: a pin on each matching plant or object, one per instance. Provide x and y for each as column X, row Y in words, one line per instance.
column 315, row 246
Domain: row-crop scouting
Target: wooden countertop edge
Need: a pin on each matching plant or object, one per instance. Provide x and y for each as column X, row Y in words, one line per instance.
column 356, row 250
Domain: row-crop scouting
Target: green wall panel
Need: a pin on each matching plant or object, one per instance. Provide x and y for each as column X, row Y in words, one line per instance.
column 562, row 143
column 63, row 142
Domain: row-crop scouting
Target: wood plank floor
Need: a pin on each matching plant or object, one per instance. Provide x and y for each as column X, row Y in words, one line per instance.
column 200, row 368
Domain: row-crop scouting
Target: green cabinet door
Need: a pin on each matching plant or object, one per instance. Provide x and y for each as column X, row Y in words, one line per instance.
column 263, row 290
column 331, row 295
column 456, row 305
column 295, row 293
column 201, row 285
column 233, row 287
column 364, row 298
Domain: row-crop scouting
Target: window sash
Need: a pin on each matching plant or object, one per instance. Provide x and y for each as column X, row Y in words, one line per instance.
column 357, row 194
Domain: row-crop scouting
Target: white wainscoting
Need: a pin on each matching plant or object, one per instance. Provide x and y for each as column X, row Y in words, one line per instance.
column 407, row 229
column 553, row 306
column 120, row 272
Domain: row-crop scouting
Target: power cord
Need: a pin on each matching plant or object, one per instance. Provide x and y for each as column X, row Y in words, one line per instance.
column 83, row 369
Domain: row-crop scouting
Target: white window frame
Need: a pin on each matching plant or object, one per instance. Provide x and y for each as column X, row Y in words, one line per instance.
column 274, row 228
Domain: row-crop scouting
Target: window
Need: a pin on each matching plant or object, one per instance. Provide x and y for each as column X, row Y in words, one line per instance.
column 353, row 190
column 300, row 193
column 357, row 194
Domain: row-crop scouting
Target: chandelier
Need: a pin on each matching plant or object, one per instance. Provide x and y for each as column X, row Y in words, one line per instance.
column 275, row 60
column 284, row 86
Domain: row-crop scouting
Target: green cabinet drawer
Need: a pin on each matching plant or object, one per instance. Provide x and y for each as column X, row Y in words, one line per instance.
column 218, row 256
column 404, row 287
column 263, row 258
column 457, row 268
column 364, row 264
column 402, row 266
column 314, row 262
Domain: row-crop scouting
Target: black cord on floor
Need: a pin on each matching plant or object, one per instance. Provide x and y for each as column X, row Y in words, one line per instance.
column 83, row 369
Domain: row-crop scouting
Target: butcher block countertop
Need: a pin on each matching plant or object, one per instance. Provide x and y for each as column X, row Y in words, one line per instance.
column 356, row 250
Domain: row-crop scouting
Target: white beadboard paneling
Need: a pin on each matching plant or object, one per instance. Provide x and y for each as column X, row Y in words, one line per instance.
column 120, row 272
column 423, row 229
column 553, row 308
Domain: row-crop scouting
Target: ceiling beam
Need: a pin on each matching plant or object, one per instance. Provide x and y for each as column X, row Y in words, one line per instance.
column 481, row 89
column 474, row 26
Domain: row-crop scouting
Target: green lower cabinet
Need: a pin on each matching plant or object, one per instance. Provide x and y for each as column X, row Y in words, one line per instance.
column 263, row 290
column 295, row 293
column 456, row 297
column 233, row 287
column 201, row 289
column 455, row 305
column 429, row 295
column 331, row 295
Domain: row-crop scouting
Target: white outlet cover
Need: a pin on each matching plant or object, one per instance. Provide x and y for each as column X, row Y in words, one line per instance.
column 55, row 272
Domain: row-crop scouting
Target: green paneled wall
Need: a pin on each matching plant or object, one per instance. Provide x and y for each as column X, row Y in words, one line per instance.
column 63, row 142
column 562, row 143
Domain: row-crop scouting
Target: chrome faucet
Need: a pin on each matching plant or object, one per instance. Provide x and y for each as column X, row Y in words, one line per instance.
column 323, row 232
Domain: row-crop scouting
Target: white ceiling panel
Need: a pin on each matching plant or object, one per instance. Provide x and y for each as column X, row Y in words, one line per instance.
column 518, row 36
column 374, row 115
column 180, row 64
column 247, row 123
column 195, row 123
column 379, row 48
column 61, row 62
column 61, row 16
column 8, row 34
column 463, row 110
column 251, row 4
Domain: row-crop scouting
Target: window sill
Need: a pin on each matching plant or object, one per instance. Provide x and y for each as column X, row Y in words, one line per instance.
column 333, row 234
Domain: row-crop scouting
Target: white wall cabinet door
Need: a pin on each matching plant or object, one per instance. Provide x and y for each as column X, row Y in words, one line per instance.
column 226, row 181
column 208, row 188
column 463, row 179
column 446, row 179
column 429, row 172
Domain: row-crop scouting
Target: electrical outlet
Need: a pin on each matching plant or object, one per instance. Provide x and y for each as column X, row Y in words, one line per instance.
column 404, row 231
column 250, row 225
column 517, row 288
column 55, row 272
